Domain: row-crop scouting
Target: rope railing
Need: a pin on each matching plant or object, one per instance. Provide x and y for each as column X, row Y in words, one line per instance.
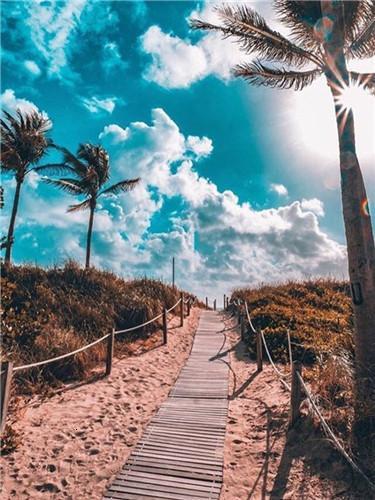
column 331, row 434
column 297, row 384
column 83, row 348
column 63, row 356
column 7, row 368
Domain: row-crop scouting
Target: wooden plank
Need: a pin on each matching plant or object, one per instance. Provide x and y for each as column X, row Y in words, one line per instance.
column 180, row 455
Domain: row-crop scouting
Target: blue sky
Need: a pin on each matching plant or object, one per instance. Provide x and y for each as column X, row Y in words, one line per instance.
column 239, row 183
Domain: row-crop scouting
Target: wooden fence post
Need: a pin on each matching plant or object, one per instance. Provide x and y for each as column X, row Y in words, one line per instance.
column 6, row 371
column 165, row 327
column 215, row 305
column 188, row 307
column 259, row 348
column 225, row 302
column 182, row 305
column 206, row 302
column 110, row 346
column 295, row 393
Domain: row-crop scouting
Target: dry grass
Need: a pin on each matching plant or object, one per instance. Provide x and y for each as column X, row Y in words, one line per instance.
column 50, row 312
column 319, row 317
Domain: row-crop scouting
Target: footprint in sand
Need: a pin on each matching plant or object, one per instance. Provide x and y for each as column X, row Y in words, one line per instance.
column 47, row 487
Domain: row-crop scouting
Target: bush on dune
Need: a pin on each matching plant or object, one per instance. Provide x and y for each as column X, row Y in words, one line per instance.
column 48, row 312
column 317, row 313
column 319, row 317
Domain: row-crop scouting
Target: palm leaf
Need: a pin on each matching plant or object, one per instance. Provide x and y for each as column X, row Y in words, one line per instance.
column 367, row 80
column 257, row 73
column 363, row 46
column 121, row 187
column 84, row 205
column 254, row 35
column 70, row 186
column 54, row 168
column 79, row 167
column 305, row 19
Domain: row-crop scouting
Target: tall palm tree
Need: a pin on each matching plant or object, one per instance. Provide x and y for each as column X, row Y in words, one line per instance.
column 89, row 171
column 23, row 144
column 324, row 36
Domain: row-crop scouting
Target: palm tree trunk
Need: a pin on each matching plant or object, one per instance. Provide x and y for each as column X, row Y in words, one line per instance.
column 89, row 235
column 12, row 222
column 360, row 241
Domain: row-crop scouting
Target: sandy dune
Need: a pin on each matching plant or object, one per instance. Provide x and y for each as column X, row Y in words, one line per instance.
column 75, row 442
column 262, row 461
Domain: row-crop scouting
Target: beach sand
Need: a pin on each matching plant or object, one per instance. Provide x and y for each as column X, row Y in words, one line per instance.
column 75, row 442
column 262, row 460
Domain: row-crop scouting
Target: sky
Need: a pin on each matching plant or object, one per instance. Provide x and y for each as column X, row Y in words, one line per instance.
column 240, row 184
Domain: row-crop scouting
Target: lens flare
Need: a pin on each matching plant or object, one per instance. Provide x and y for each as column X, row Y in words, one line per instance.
column 349, row 96
column 365, row 210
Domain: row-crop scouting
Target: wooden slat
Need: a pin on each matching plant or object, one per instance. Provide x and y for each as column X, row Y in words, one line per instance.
column 180, row 455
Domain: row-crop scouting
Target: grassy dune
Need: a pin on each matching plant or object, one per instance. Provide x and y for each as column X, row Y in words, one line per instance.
column 50, row 312
column 319, row 317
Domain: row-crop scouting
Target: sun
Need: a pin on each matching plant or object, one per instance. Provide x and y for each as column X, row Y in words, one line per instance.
column 350, row 95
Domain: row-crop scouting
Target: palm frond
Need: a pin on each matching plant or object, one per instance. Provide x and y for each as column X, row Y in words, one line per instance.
column 257, row 73
column 363, row 13
column 366, row 80
column 97, row 158
column 79, row 167
column 121, row 187
column 54, row 169
column 70, row 186
column 84, row 205
column 305, row 20
column 363, row 46
column 255, row 36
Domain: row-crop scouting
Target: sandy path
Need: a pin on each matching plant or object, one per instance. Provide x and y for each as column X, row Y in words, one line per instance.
column 75, row 442
column 260, row 460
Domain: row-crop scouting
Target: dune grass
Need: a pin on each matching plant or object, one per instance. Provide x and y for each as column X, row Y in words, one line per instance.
column 48, row 312
column 319, row 316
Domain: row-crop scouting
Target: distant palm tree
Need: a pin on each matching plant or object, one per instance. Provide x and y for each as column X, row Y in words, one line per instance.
column 23, row 144
column 90, row 172
column 326, row 34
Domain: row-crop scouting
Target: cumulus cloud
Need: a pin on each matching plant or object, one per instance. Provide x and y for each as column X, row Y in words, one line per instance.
column 218, row 241
column 178, row 63
column 280, row 189
column 97, row 105
column 229, row 242
column 10, row 102
column 314, row 205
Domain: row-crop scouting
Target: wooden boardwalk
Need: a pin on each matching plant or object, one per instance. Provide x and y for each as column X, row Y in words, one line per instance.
column 180, row 455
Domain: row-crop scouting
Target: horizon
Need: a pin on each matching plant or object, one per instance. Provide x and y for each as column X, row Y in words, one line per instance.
column 235, row 186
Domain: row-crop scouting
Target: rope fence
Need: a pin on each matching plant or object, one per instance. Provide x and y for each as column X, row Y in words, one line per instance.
column 7, row 368
column 298, row 387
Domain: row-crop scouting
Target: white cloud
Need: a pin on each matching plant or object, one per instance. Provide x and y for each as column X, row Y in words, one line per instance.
column 97, row 105
column 33, row 68
column 314, row 205
column 178, row 63
column 10, row 102
column 237, row 244
column 218, row 241
column 280, row 189
column 200, row 146
column 51, row 26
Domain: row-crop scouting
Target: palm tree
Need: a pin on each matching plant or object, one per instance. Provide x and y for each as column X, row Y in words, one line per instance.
column 23, row 143
column 89, row 171
column 324, row 36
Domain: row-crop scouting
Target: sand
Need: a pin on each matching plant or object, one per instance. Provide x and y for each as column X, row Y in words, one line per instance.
column 75, row 442
column 262, row 460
